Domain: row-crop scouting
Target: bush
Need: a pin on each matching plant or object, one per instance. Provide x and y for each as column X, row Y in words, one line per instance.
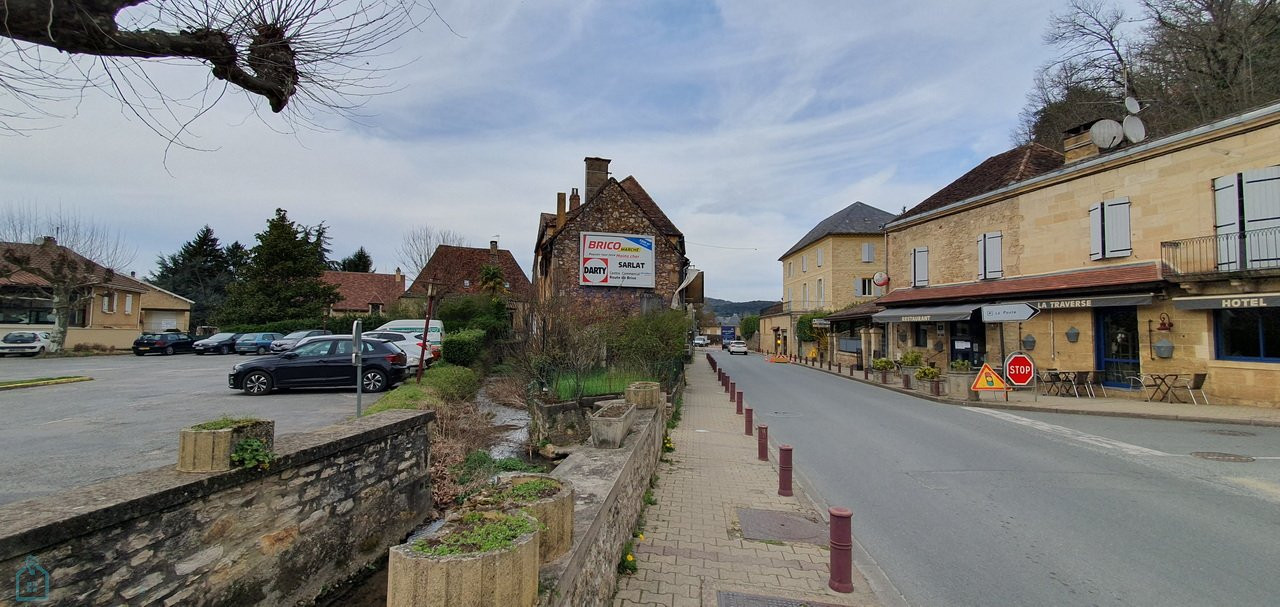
column 475, row 312
column 961, row 366
column 463, row 347
column 882, row 364
column 453, row 383
column 928, row 373
column 912, row 358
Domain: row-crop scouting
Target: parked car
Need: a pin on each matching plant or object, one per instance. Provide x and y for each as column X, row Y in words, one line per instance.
column 701, row 341
column 323, row 361
column 164, row 343
column 221, row 343
column 435, row 332
column 410, row 343
column 259, row 343
column 286, row 343
column 27, row 343
column 738, row 346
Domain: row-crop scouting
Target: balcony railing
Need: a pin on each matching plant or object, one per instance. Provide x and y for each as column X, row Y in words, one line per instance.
column 1249, row 253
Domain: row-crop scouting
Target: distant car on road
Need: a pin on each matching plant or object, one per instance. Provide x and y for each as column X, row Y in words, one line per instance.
column 738, row 346
column 701, row 341
column 27, row 343
column 286, row 343
column 322, row 361
column 164, row 343
column 255, row 343
column 221, row 343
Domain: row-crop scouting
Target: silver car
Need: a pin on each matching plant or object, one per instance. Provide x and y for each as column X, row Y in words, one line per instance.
column 738, row 346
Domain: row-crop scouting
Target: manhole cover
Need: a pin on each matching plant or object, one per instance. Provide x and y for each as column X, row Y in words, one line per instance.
column 782, row 414
column 770, row 525
column 1230, row 432
column 1222, row 457
column 738, row 599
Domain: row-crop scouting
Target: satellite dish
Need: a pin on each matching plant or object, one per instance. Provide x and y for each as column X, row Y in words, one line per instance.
column 1131, row 104
column 1133, row 129
column 1106, row 133
column 880, row 279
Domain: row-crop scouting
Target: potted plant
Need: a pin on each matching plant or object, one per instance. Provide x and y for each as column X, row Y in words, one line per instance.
column 960, row 379
column 911, row 360
column 883, row 366
column 644, row 394
column 474, row 558
column 545, row 497
column 610, row 425
column 931, row 376
column 211, row 446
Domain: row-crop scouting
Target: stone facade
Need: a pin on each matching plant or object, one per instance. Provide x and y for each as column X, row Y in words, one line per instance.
column 840, row 273
column 333, row 502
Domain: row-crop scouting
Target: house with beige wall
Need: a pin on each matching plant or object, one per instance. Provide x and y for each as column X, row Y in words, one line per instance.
column 1157, row 258
column 829, row 268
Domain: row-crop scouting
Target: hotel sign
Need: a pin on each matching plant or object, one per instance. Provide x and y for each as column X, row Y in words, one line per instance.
column 1228, row 302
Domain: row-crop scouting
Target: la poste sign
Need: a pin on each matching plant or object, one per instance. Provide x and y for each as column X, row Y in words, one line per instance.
column 616, row 260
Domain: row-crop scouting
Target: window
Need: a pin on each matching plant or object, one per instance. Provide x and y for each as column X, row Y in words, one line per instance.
column 791, row 268
column 128, row 303
column 1248, row 334
column 375, row 308
column 804, row 263
column 922, row 335
column 804, row 294
column 868, row 252
column 920, row 267
column 466, row 284
column 1244, row 203
column 109, row 303
column 317, row 348
column 862, row 287
column 821, row 295
column 791, row 295
column 989, row 262
column 1109, row 229
column 819, row 258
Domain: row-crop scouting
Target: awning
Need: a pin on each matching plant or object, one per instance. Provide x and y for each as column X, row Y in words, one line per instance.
column 927, row 313
column 1085, row 301
column 1228, row 302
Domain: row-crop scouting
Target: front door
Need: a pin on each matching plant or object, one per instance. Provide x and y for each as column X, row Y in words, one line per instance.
column 1116, row 345
column 968, row 341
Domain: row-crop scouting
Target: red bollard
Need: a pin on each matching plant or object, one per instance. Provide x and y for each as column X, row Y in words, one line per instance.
column 733, row 387
column 749, row 413
column 762, row 443
column 841, row 550
column 839, row 369
column 784, row 470
column 739, row 411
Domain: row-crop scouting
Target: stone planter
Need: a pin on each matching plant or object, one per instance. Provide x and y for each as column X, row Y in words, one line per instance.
column 555, row 511
column 644, row 394
column 958, row 384
column 934, row 386
column 908, row 375
column 610, row 425
column 210, row 450
column 506, row 576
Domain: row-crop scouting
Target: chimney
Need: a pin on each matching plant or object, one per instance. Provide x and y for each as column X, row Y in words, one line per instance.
column 1077, row 145
column 597, row 175
column 493, row 252
column 559, row 210
column 46, row 240
column 399, row 278
column 574, row 200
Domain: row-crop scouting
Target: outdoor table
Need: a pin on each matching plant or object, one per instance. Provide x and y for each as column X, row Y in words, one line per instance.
column 1162, row 387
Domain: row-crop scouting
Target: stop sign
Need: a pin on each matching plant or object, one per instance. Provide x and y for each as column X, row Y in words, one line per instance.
column 1019, row 369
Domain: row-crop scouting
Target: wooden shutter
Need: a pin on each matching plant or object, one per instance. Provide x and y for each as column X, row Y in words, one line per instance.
column 868, row 252
column 990, row 264
column 857, row 288
column 1261, row 212
column 920, row 267
column 1226, row 210
column 1095, row 232
column 1117, row 239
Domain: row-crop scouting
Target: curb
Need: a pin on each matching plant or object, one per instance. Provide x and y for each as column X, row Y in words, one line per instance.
column 48, row 382
column 1015, row 407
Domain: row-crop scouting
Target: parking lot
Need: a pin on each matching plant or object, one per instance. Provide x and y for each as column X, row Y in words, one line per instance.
column 127, row 419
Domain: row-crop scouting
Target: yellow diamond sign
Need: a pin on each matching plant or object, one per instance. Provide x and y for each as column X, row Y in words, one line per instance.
column 988, row 380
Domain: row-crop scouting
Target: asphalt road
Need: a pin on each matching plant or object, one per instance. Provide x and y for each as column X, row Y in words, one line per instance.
column 127, row 419
column 962, row 506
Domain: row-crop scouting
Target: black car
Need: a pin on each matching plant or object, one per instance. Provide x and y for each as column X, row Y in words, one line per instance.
column 322, row 361
column 221, row 343
column 162, row 343
column 284, row 344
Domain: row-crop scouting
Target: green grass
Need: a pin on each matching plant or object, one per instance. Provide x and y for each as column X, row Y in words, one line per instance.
column 224, row 422
column 408, row 396
column 480, row 465
column 530, row 491
column 16, row 382
column 480, row 536
column 612, row 381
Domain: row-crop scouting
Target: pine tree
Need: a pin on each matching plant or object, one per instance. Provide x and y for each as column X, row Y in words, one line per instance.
column 360, row 261
column 199, row 271
column 282, row 280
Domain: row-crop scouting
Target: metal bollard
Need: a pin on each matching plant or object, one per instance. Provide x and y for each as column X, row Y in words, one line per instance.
column 762, row 443
column 748, row 413
column 841, row 541
column 733, row 387
column 739, row 411
column 784, row 470
column 839, row 368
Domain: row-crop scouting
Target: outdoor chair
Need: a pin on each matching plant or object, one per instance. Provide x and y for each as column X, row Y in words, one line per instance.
column 1142, row 381
column 1051, row 381
column 1095, row 380
column 1193, row 384
column 1080, row 381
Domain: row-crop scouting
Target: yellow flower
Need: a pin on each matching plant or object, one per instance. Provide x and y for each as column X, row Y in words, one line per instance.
column 630, row 557
column 640, row 537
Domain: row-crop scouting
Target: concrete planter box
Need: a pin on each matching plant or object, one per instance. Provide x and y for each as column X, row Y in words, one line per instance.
column 932, row 386
column 555, row 512
column 507, row 576
column 210, row 450
column 908, row 375
column 609, row 427
column 958, row 384
column 644, row 394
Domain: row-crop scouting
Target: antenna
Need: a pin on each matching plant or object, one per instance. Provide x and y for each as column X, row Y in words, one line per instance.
column 1106, row 133
column 1133, row 129
column 1131, row 104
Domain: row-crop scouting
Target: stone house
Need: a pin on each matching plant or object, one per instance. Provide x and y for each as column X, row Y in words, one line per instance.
column 118, row 307
column 365, row 292
column 457, row 272
column 615, row 253
column 1161, row 257
column 829, row 268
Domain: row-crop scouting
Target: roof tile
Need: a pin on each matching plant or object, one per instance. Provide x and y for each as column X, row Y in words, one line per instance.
column 1079, row 280
column 1019, row 164
column 458, row 269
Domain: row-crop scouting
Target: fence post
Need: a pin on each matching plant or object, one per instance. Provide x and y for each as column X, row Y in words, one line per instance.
column 841, row 542
column 784, row 470
column 749, row 414
column 739, row 411
column 733, row 387
column 762, row 443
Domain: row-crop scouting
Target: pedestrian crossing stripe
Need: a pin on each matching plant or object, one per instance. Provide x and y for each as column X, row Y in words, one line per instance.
column 988, row 380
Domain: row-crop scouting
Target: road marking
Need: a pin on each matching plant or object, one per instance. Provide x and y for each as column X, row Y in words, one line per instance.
column 1268, row 488
column 57, row 420
column 1091, row 439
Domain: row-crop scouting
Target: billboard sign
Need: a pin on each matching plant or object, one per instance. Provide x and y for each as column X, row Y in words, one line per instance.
column 616, row 260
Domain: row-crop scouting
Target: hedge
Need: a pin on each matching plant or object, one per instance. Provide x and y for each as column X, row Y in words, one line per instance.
column 463, row 347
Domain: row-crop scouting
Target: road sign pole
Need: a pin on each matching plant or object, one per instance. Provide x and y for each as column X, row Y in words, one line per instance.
column 357, row 359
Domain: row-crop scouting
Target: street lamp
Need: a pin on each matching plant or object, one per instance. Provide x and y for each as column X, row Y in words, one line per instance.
column 426, row 326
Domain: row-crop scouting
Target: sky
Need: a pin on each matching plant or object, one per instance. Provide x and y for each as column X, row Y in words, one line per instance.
column 747, row 121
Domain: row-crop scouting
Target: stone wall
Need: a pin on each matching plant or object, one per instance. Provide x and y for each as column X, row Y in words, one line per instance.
column 333, row 502
column 610, row 486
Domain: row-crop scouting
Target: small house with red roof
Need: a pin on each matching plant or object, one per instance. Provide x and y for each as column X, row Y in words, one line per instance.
column 457, row 272
column 365, row 292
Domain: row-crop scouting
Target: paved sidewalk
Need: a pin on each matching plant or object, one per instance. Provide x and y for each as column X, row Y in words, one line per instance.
column 693, row 547
column 1025, row 400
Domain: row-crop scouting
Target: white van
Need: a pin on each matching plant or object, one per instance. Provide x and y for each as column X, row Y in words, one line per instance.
column 435, row 333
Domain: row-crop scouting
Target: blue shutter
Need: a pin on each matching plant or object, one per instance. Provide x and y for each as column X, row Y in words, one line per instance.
column 1262, row 212
column 1226, row 211
column 993, row 266
column 1117, row 238
column 1095, row 232
column 920, row 267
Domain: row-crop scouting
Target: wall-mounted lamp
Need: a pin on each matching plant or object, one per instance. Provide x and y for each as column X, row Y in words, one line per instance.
column 1164, row 348
column 1165, row 323
column 1028, row 342
column 1073, row 335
